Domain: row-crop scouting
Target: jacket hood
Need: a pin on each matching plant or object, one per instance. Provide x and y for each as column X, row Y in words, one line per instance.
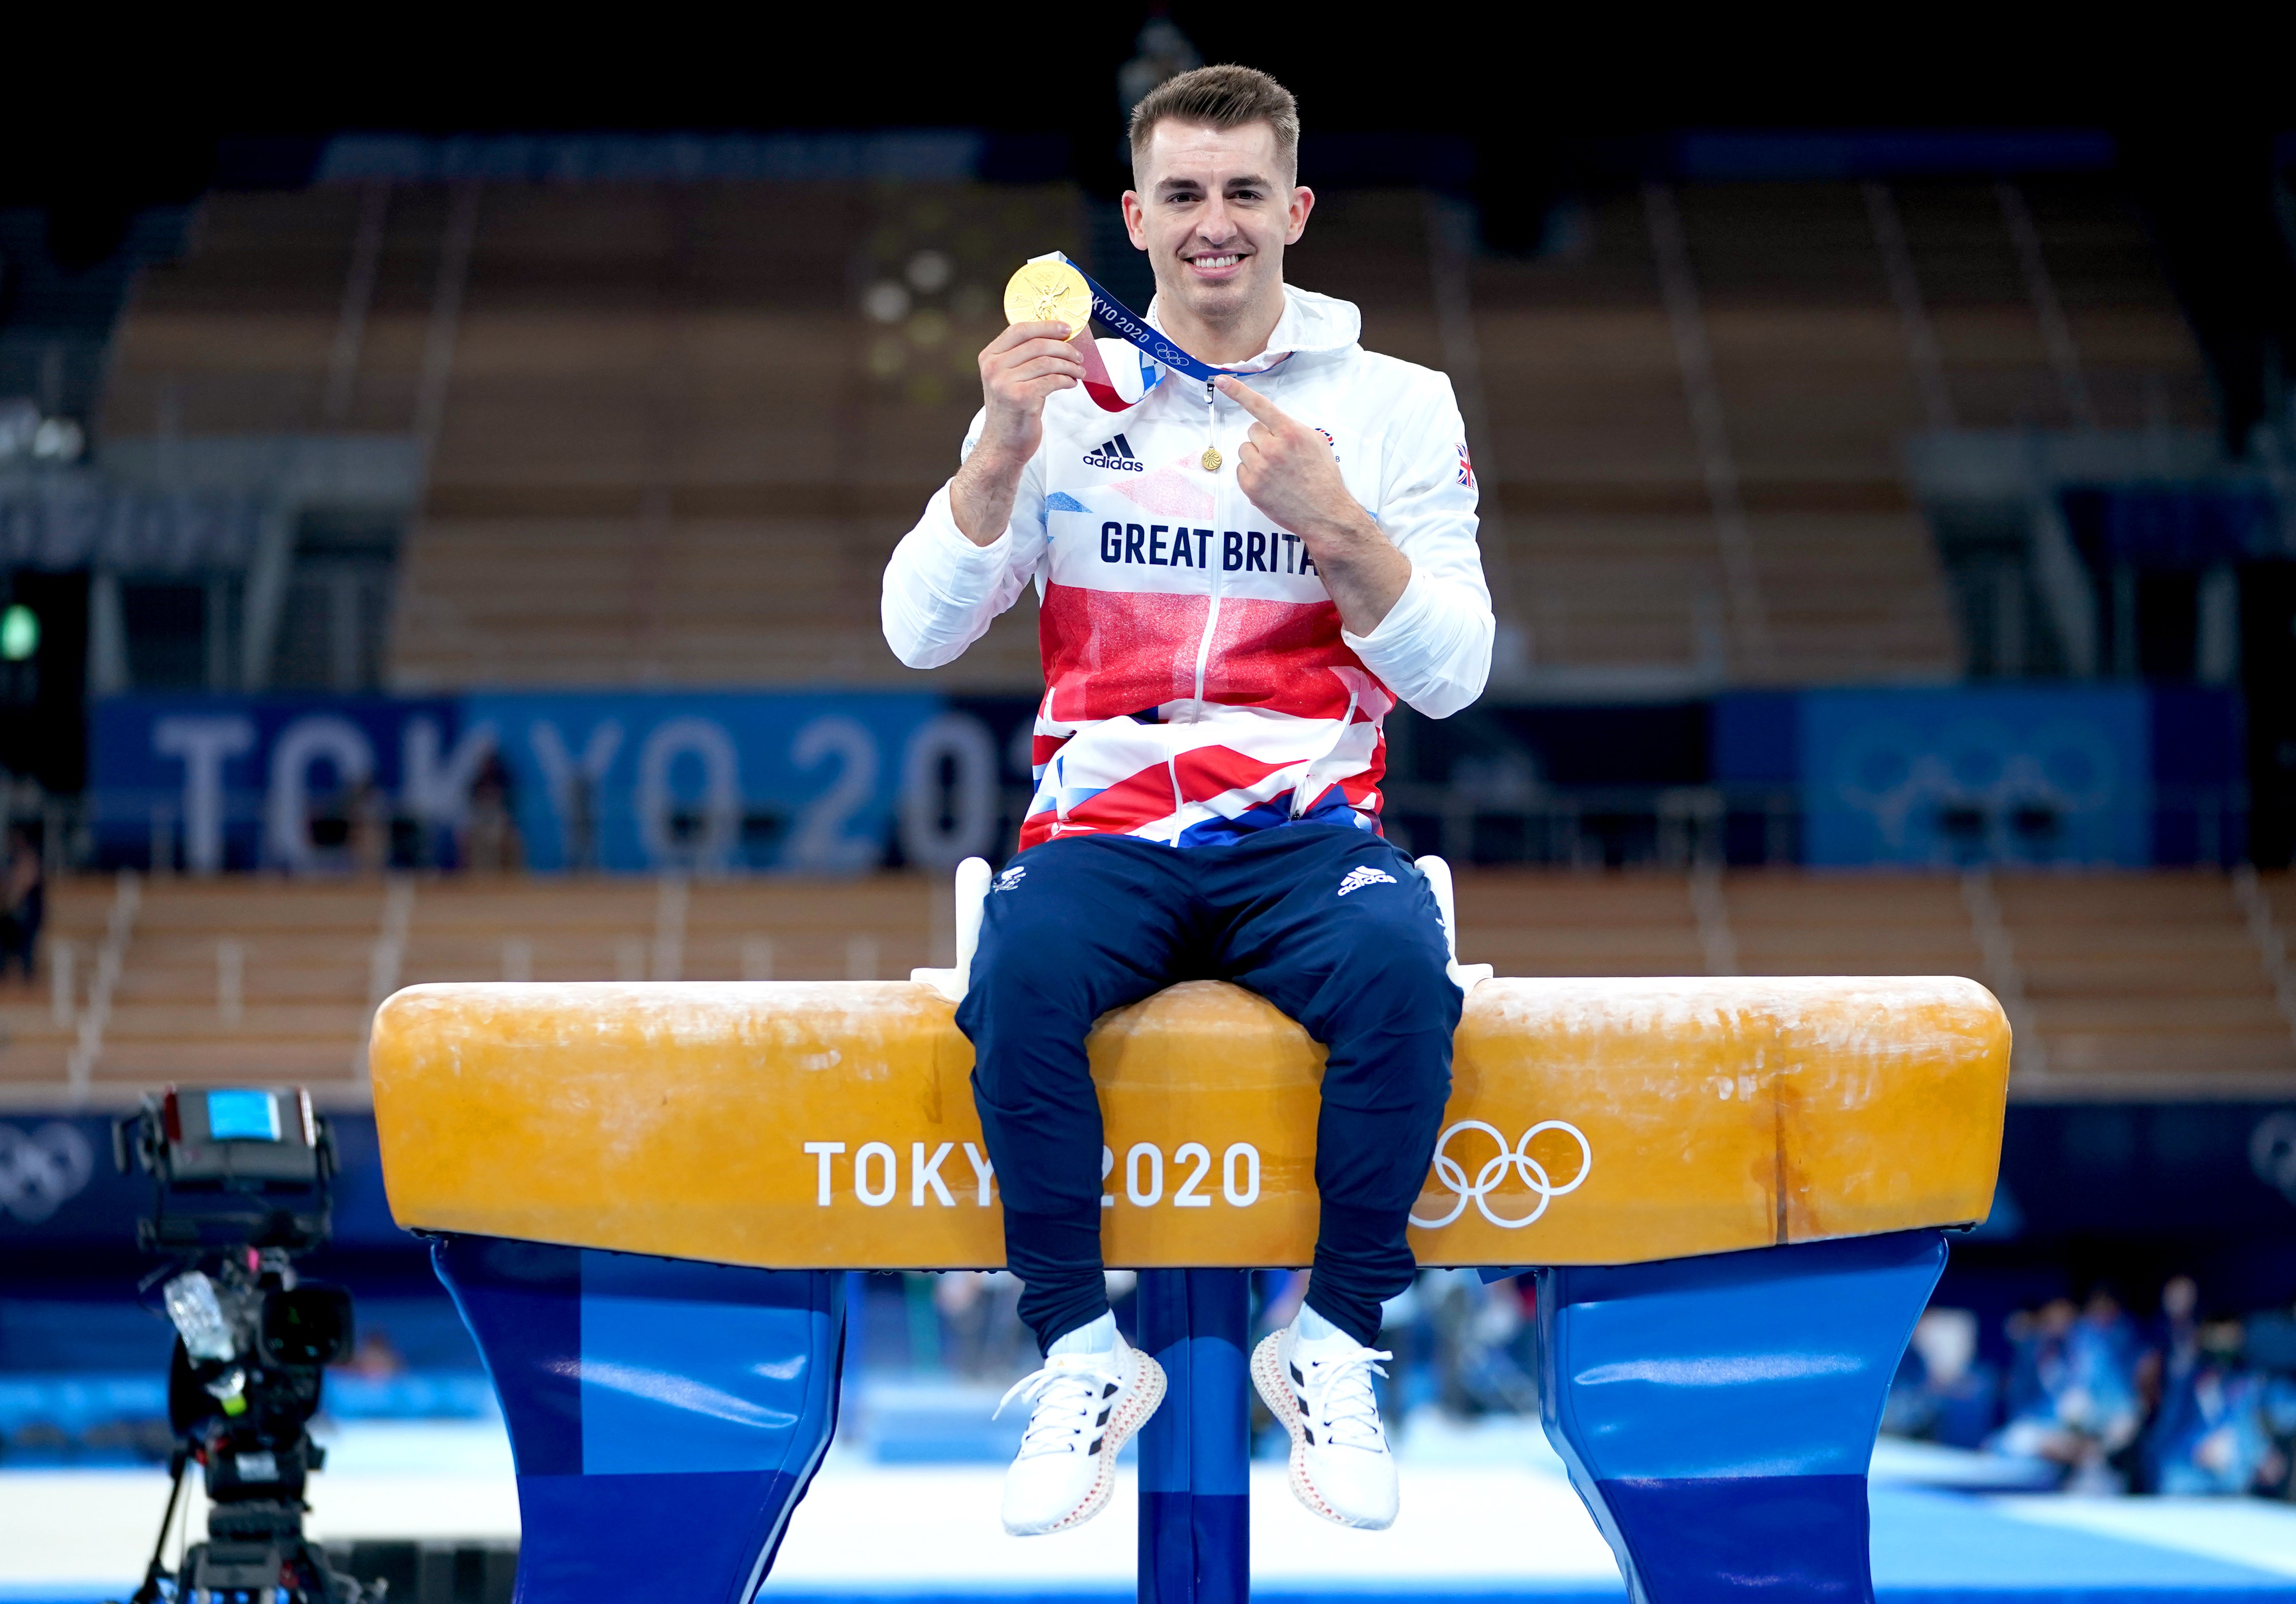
column 1311, row 324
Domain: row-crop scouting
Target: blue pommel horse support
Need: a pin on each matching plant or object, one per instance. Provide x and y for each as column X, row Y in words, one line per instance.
column 1734, row 1191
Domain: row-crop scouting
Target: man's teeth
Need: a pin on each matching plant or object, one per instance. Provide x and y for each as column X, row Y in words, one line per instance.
column 1218, row 261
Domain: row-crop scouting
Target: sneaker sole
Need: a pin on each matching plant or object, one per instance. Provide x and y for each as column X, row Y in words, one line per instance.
column 1139, row 1401
column 1276, row 1392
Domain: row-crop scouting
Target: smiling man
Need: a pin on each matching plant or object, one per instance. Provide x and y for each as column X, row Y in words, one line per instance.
column 1237, row 583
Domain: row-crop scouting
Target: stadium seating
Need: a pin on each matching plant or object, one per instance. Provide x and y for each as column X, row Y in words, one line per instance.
column 218, row 984
column 2127, row 975
column 2133, row 986
column 673, row 448
column 39, row 1019
column 679, row 427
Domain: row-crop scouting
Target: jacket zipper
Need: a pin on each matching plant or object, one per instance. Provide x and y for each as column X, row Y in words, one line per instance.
column 1211, row 623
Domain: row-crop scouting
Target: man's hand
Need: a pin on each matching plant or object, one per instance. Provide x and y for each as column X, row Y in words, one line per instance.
column 1018, row 368
column 1288, row 471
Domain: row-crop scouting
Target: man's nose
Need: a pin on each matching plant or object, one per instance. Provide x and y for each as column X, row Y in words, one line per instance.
column 1215, row 226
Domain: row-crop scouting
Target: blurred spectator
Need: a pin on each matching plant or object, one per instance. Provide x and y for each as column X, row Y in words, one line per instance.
column 1164, row 52
column 23, row 903
column 1402, row 1323
column 1941, row 1392
column 2073, row 1391
column 375, row 1358
column 2215, row 1431
column 1283, row 1303
column 490, row 843
column 581, row 822
column 2171, row 1350
column 982, row 1338
column 1481, row 1343
column 368, row 833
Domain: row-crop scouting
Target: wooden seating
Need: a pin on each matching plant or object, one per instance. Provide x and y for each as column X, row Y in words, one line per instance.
column 217, row 985
column 2139, row 985
column 673, row 393
column 1862, row 924
column 40, row 1018
column 2151, row 980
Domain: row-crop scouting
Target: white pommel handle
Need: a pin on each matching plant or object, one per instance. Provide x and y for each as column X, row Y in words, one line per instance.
column 1465, row 976
column 972, row 893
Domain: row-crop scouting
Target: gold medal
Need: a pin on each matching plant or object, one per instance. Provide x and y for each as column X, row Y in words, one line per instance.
column 1048, row 292
column 1212, row 459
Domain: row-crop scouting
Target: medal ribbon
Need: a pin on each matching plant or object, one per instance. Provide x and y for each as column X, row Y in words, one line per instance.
column 1134, row 330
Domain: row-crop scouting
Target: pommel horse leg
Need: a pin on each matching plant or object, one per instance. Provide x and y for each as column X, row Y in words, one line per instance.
column 1196, row 1452
column 1718, row 1415
column 666, row 1415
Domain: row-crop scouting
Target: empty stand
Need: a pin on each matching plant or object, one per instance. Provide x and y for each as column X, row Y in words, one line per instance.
column 1536, row 922
column 242, row 335
column 40, row 1018
column 632, row 930
column 679, row 427
column 2146, row 981
column 2136, row 359
column 234, row 982
column 1609, row 519
column 1785, row 923
column 675, row 450
column 2130, row 985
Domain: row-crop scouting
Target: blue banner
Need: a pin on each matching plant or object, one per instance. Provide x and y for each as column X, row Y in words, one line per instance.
column 268, row 782
column 709, row 782
column 1934, row 778
column 843, row 783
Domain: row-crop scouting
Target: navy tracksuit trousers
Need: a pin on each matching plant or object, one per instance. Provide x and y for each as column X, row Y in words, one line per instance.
column 1075, row 927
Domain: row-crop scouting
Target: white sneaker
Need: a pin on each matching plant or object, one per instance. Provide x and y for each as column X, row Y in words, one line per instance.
column 1320, row 1388
column 1083, row 1407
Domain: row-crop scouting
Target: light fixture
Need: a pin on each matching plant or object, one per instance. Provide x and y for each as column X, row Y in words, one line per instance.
column 19, row 633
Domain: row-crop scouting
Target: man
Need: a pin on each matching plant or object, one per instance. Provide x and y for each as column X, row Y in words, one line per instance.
column 1236, row 585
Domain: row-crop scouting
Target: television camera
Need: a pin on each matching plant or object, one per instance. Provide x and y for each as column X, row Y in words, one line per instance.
column 241, row 1183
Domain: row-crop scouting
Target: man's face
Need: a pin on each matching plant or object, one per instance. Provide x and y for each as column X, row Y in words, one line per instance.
column 1214, row 210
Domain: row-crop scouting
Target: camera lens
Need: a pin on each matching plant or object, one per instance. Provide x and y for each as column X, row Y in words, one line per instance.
column 309, row 1324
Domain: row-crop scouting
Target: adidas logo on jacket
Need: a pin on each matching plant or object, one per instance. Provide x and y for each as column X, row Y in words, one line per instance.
column 1115, row 453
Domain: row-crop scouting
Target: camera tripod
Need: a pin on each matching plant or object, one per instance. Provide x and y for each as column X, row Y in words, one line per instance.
column 255, row 1551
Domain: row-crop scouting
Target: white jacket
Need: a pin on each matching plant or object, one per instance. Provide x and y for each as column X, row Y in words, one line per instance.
column 1198, row 681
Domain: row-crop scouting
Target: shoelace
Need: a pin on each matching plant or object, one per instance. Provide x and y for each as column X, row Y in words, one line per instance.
column 1340, row 1400
column 1064, row 1404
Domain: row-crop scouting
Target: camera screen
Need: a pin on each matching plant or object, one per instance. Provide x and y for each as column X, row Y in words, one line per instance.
column 242, row 1116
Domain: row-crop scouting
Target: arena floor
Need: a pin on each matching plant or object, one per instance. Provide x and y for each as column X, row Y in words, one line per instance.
column 1487, row 1516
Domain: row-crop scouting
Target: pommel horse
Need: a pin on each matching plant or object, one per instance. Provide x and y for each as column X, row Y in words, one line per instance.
column 1733, row 1194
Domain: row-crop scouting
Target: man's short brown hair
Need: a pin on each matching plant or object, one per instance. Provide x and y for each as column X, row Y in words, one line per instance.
column 1220, row 97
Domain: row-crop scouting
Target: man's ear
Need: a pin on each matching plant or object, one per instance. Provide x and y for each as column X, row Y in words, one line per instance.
column 1303, row 201
column 1136, row 220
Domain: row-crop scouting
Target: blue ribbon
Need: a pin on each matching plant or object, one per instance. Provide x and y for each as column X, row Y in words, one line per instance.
column 1130, row 327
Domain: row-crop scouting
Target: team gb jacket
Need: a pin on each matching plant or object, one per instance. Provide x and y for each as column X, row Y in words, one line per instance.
column 1198, row 684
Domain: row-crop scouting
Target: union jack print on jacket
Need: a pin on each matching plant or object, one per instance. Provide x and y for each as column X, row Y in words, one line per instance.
column 1198, row 683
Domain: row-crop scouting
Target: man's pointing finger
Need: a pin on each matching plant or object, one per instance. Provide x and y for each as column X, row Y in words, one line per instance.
column 1259, row 406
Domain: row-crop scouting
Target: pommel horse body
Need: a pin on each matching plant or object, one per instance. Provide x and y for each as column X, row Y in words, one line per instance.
column 1733, row 1194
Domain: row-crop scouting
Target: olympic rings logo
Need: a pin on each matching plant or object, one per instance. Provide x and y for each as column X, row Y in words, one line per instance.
column 1494, row 1173
column 41, row 1172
